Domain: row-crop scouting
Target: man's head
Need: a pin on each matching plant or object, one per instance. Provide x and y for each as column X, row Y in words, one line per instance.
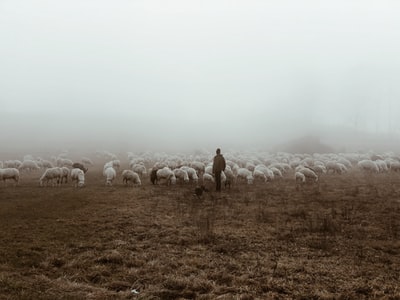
column 218, row 151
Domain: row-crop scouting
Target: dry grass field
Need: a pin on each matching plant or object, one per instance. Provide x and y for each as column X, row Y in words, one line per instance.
column 336, row 240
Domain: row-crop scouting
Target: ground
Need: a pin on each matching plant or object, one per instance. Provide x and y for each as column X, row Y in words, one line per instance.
column 339, row 239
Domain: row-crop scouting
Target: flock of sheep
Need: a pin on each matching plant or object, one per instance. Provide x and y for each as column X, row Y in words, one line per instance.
column 162, row 168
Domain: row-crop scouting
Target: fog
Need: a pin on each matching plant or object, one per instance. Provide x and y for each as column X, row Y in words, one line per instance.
column 184, row 75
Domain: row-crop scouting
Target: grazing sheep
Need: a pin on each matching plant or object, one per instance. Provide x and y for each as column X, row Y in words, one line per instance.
column 80, row 166
column 87, row 161
column 28, row 165
column 9, row 173
column 198, row 166
column 46, row 164
column 140, row 169
column 208, row 178
column 309, row 173
column 192, row 173
column 130, row 176
column 230, row 177
column 276, row 172
column 167, row 175
column 51, row 174
column 78, row 176
column 395, row 166
column 64, row 162
column 259, row 175
column 181, row 175
column 110, row 175
column 299, row 177
column 368, row 166
column 12, row 164
column 335, row 167
column 245, row 174
column 64, row 174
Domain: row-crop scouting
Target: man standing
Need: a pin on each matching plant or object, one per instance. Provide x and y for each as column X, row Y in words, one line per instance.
column 218, row 167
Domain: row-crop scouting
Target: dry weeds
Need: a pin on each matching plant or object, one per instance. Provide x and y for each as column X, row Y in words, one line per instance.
column 337, row 240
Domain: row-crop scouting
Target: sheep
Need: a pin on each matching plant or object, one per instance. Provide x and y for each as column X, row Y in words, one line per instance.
column 259, row 175
column 166, row 174
column 64, row 162
column 245, row 174
column 28, row 165
column 208, row 178
column 181, row 175
column 12, row 164
column 276, row 172
column 9, row 173
column 51, row 174
column 46, row 164
column 86, row 161
column 368, row 165
column 115, row 164
column 133, row 177
column 381, row 165
column 395, row 166
column 230, row 177
column 309, row 173
column 192, row 173
column 79, row 166
column 198, row 166
column 78, row 176
column 299, row 177
column 110, row 175
column 64, row 174
column 336, row 167
column 140, row 169
column 266, row 170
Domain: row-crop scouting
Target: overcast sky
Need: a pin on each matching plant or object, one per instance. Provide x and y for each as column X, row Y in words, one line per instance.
column 220, row 71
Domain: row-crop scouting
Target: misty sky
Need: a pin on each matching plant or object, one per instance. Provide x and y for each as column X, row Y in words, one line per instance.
column 217, row 70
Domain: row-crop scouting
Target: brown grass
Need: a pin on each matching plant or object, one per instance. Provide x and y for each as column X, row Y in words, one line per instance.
column 337, row 240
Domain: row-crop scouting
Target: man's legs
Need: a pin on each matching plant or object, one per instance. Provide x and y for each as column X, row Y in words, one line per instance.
column 218, row 181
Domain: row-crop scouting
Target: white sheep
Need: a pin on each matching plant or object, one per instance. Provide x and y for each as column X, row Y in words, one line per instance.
column 130, row 176
column 208, row 178
column 87, row 161
column 309, row 173
column 299, row 177
column 139, row 168
column 110, row 175
column 368, row 166
column 245, row 174
column 381, row 165
column 167, row 175
column 64, row 174
column 181, row 175
column 198, row 166
column 28, row 165
column 259, row 175
column 9, row 173
column 12, row 164
column 46, row 164
column 78, row 176
column 115, row 164
column 395, row 166
column 276, row 172
column 51, row 174
column 192, row 173
column 64, row 162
